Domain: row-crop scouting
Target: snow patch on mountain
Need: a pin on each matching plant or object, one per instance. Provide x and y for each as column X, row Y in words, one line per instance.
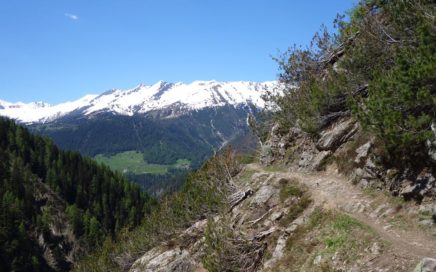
column 41, row 112
column 145, row 98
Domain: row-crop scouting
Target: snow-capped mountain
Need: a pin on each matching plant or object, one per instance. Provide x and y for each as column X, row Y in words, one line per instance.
column 175, row 98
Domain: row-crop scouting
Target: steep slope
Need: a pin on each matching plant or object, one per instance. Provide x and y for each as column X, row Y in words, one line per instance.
column 57, row 205
column 272, row 219
column 293, row 221
column 394, row 221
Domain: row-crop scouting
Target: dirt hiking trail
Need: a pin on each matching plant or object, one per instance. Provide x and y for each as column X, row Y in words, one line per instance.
column 333, row 191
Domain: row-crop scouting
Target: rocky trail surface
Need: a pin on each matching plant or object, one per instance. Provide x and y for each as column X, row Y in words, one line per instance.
column 332, row 191
column 270, row 218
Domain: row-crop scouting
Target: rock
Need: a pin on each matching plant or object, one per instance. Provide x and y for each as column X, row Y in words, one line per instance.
column 370, row 164
column 427, row 183
column 305, row 159
column 424, row 185
column 278, row 251
column 410, row 190
column 363, row 183
column 275, row 147
column 317, row 260
column 362, row 152
column 357, row 174
column 392, row 173
column 426, row 265
column 375, row 249
column 275, row 129
column 160, row 260
column 291, row 228
column 196, row 229
column 263, row 195
column 387, row 227
column 266, row 154
column 283, row 146
column 276, row 215
column 365, row 175
column 320, row 160
column 280, row 247
column 261, row 235
column 336, row 135
column 295, row 133
column 377, row 212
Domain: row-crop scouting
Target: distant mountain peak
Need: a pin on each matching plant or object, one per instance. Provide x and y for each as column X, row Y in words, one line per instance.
column 145, row 98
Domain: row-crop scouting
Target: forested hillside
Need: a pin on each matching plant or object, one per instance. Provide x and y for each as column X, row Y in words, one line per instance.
column 161, row 141
column 379, row 68
column 55, row 205
column 193, row 136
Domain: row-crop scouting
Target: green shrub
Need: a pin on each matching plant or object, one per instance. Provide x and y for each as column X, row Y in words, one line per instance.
column 388, row 46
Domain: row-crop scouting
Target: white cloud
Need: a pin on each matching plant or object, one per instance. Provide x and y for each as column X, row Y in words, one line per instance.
column 72, row 16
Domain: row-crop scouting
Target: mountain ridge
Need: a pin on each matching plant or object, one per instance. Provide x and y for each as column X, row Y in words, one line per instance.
column 179, row 97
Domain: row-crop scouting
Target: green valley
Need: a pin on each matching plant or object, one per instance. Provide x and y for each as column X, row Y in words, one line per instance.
column 133, row 162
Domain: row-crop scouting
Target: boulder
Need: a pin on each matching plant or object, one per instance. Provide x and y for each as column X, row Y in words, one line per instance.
column 426, row 265
column 365, row 175
column 266, row 154
column 336, row 135
column 305, row 159
column 320, row 160
column 362, row 152
column 262, row 196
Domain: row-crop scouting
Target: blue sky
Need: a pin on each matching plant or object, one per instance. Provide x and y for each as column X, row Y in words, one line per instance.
column 59, row 50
